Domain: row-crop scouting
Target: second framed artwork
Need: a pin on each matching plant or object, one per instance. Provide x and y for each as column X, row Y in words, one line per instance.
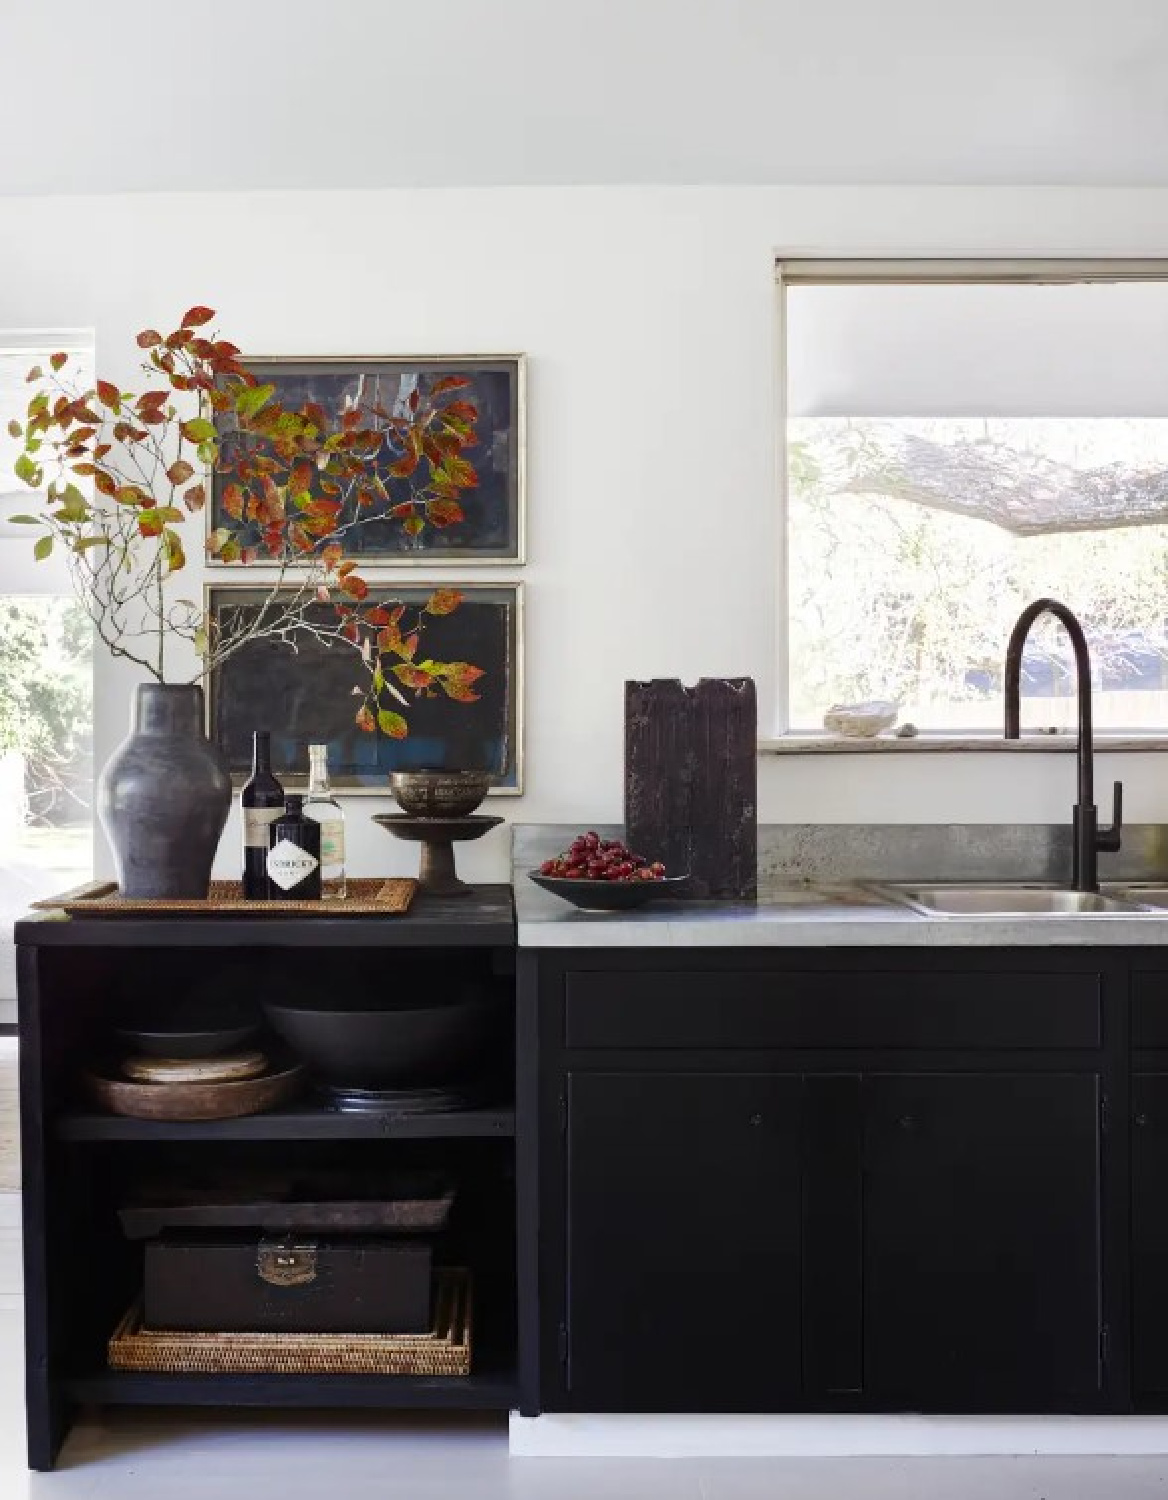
column 315, row 690
column 475, row 509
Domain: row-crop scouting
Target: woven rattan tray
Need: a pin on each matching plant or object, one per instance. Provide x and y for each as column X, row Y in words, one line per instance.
column 365, row 898
column 445, row 1350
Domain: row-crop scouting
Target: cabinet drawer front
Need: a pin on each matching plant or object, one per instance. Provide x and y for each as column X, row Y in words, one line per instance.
column 1149, row 1016
column 675, row 1009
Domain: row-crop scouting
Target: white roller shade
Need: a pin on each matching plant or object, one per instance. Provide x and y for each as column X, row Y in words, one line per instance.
column 888, row 348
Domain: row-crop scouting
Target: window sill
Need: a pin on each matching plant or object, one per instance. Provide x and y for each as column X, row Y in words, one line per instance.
column 884, row 744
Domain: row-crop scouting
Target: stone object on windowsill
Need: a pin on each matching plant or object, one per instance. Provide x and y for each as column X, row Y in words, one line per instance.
column 860, row 721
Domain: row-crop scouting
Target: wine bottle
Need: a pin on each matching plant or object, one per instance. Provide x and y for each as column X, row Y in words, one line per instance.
column 323, row 808
column 260, row 802
column 294, row 855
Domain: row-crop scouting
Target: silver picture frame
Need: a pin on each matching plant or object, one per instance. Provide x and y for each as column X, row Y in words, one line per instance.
column 514, row 554
column 378, row 785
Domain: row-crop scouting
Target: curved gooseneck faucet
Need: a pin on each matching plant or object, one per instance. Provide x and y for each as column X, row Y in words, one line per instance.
column 1089, row 838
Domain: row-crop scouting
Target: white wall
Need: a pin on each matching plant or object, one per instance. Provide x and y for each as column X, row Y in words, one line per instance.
column 648, row 316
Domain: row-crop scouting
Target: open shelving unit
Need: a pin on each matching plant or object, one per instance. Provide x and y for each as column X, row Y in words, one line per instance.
column 81, row 1271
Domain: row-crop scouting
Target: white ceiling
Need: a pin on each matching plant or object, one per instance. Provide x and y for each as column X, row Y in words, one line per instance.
column 145, row 95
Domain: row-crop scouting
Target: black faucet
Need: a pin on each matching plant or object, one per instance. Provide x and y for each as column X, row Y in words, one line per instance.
column 1089, row 838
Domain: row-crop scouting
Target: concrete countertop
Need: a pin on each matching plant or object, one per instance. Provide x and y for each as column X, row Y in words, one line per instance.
column 814, row 891
column 813, row 916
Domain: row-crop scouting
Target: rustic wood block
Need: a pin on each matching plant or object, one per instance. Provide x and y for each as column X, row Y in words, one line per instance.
column 691, row 781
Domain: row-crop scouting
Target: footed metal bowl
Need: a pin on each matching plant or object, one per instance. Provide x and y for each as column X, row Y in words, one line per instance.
column 439, row 794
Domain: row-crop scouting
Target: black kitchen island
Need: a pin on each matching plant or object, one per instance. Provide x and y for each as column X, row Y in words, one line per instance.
column 882, row 1175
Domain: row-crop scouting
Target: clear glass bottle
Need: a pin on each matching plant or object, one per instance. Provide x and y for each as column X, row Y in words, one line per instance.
column 323, row 808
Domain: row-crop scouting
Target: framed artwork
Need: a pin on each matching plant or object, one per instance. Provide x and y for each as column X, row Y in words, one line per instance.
column 487, row 395
column 309, row 693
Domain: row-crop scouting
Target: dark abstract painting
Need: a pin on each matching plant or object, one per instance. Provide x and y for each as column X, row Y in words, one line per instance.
column 310, row 694
column 487, row 397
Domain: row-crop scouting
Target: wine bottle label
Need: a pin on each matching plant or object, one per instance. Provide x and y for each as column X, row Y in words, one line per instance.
column 256, row 822
column 332, row 842
column 289, row 864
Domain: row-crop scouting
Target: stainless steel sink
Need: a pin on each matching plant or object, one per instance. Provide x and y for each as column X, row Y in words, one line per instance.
column 1012, row 901
column 1150, row 894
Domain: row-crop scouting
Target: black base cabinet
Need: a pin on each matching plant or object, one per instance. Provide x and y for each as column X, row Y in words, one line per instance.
column 684, row 1202
column 788, row 1181
column 981, row 1271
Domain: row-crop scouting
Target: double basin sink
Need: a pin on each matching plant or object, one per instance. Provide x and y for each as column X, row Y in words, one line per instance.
column 1027, row 900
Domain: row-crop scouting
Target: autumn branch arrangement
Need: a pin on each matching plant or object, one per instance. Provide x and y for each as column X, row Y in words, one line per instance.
column 122, row 475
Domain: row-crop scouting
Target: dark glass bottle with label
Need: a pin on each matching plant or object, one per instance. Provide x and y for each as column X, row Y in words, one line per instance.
column 260, row 803
column 294, row 855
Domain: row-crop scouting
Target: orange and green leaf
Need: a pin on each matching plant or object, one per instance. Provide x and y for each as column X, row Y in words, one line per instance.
column 443, row 602
column 390, row 723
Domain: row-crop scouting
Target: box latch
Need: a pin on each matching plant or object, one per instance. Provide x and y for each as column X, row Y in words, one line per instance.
column 287, row 1262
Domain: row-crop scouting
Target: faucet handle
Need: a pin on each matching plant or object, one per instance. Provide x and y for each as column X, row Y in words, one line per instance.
column 1107, row 840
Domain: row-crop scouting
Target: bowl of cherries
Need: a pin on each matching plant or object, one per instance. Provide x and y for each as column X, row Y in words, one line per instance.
column 598, row 874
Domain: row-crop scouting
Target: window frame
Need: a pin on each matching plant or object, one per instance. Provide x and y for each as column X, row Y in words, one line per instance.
column 873, row 270
column 21, row 575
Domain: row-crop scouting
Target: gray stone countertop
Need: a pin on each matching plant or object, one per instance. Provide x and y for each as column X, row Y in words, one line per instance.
column 814, row 891
column 813, row 916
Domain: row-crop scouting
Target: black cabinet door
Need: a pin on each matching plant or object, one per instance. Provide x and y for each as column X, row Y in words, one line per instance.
column 1150, row 1236
column 981, row 1236
column 683, row 1242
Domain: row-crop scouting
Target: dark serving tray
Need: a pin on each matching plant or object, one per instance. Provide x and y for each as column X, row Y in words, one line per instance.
column 343, row 1203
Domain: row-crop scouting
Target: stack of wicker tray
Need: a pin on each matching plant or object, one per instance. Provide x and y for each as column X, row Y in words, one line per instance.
column 444, row 1350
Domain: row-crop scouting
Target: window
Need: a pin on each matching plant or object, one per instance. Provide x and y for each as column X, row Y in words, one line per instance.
column 46, row 688
column 961, row 439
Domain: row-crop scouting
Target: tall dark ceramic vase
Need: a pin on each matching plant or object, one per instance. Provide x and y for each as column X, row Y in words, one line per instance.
column 164, row 795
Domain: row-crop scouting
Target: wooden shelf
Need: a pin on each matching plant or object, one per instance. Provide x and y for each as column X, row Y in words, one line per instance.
column 294, row 1125
column 491, row 1388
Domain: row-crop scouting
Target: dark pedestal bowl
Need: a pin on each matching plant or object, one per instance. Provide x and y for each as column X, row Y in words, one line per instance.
column 385, row 1042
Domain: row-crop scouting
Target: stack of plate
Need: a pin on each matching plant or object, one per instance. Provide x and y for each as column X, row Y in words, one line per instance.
column 192, row 1064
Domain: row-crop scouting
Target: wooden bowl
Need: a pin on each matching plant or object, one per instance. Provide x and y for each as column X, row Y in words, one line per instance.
column 194, row 1101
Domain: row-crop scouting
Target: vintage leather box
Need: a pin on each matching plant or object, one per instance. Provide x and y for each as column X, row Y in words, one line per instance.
column 225, row 1282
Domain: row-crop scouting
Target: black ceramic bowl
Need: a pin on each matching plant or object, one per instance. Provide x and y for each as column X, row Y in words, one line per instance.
column 188, row 1028
column 389, row 1042
column 609, row 895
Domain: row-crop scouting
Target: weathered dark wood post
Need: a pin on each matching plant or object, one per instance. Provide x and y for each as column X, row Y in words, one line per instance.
column 691, row 781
